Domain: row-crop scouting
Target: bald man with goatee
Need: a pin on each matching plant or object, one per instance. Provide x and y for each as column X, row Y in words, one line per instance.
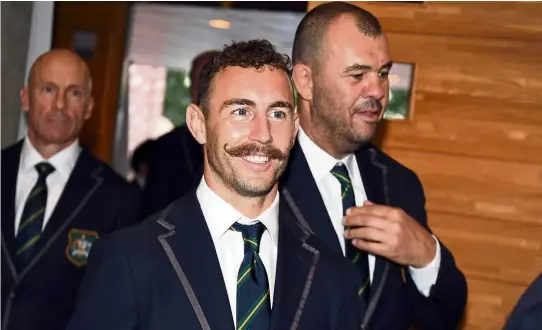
column 57, row 198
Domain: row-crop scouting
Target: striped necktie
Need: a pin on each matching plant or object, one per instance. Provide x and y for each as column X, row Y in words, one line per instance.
column 253, row 301
column 32, row 218
column 359, row 258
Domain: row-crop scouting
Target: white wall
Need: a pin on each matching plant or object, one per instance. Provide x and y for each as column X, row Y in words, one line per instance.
column 41, row 30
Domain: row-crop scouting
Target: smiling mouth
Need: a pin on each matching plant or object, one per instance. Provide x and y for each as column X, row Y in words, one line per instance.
column 256, row 159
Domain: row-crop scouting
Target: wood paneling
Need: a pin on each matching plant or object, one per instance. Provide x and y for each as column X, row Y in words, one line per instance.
column 503, row 20
column 108, row 21
column 475, row 138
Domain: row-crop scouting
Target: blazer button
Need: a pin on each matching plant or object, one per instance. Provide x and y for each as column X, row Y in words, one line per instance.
column 12, row 295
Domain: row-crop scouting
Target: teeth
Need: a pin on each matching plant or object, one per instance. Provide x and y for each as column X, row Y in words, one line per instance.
column 256, row 159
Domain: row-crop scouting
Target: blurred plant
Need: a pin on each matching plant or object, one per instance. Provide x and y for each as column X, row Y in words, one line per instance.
column 177, row 96
column 399, row 104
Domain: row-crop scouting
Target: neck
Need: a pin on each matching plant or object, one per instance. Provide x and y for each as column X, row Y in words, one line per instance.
column 47, row 150
column 250, row 207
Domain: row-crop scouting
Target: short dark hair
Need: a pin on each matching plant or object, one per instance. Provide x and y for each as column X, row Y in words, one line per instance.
column 310, row 33
column 246, row 54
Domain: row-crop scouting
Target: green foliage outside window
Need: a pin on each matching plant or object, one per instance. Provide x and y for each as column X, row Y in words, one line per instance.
column 177, row 96
column 399, row 104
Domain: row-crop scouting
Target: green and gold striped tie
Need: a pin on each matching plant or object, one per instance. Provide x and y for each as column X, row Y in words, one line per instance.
column 32, row 218
column 253, row 301
column 358, row 258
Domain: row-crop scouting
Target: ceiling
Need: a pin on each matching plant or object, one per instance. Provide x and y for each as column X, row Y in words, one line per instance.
column 171, row 35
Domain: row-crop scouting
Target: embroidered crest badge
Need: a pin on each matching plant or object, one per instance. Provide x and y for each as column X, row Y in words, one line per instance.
column 79, row 243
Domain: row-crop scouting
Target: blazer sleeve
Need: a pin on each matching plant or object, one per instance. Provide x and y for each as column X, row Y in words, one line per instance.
column 527, row 314
column 106, row 298
column 444, row 307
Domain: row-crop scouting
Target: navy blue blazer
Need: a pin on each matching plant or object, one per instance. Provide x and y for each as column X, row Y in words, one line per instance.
column 395, row 301
column 527, row 314
column 175, row 168
column 95, row 201
column 164, row 274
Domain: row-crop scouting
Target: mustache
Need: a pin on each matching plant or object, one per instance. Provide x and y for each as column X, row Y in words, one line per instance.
column 370, row 104
column 247, row 149
column 57, row 114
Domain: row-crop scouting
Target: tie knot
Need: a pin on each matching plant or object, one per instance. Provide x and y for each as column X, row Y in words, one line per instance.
column 341, row 173
column 252, row 234
column 44, row 169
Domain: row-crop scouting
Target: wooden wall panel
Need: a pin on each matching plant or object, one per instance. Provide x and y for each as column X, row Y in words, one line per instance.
column 474, row 138
column 502, row 69
column 484, row 253
column 507, row 20
column 109, row 23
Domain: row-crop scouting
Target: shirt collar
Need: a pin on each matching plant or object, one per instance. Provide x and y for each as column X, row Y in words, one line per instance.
column 320, row 162
column 63, row 161
column 220, row 215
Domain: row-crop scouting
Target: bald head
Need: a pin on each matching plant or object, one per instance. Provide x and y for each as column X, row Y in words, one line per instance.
column 309, row 42
column 67, row 60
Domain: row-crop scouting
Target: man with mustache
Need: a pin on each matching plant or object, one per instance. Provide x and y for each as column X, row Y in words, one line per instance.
column 358, row 200
column 57, row 198
column 229, row 254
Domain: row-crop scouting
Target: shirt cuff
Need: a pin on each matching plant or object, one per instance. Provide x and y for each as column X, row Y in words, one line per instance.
column 426, row 277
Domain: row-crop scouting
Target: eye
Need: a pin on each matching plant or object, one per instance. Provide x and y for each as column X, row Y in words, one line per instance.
column 47, row 89
column 76, row 93
column 240, row 112
column 358, row 76
column 384, row 74
column 278, row 114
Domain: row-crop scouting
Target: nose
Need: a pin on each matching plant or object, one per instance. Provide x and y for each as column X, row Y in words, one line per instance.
column 260, row 130
column 375, row 87
column 60, row 101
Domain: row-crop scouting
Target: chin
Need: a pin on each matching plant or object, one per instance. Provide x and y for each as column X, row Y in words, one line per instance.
column 258, row 187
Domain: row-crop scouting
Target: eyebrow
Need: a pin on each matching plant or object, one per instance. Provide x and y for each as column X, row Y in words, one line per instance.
column 231, row 102
column 360, row 67
column 49, row 83
column 282, row 104
column 250, row 103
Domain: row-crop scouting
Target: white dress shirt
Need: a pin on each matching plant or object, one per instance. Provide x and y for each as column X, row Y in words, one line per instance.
column 63, row 162
column 320, row 164
column 229, row 245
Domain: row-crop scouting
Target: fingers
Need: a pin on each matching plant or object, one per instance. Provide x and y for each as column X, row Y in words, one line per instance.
column 365, row 220
column 391, row 213
column 374, row 248
column 365, row 233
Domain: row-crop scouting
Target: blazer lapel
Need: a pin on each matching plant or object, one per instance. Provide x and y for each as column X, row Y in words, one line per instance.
column 10, row 168
column 82, row 184
column 374, row 176
column 190, row 249
column 296, row 263
column 301, row 186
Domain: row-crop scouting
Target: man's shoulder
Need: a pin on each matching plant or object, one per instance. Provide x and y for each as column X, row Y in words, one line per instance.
column 12, row 150
column 393, row 165
column 135, row 239
column 110, row 178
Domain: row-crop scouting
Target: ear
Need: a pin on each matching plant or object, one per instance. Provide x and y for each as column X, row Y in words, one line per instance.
column 303, row 81
column 195, row 120
column 25, row 99
column 90, row 107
